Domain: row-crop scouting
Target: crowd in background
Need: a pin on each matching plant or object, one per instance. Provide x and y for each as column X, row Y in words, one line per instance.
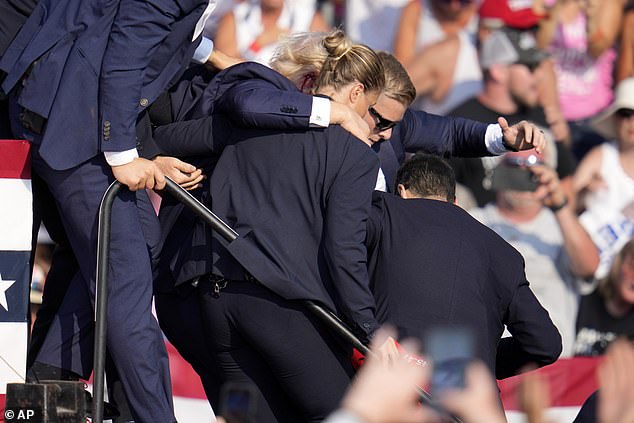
column 554, row 62
column 568, row 66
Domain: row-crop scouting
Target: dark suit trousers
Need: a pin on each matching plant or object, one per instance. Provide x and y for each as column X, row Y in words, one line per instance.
column 180, row 319
column 134, row 339
column 300, row 370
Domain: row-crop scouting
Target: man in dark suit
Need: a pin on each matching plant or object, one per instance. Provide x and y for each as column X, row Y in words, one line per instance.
column 299, row 199
column 79, row 74
column 431, row 264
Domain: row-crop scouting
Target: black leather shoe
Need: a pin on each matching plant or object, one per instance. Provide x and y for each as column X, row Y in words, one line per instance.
column 110, row 411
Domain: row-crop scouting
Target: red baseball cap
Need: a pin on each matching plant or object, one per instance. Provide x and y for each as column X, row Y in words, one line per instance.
column 512, row 13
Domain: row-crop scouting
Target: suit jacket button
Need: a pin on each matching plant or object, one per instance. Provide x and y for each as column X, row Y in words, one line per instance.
column 106, row 124
column 144, row 102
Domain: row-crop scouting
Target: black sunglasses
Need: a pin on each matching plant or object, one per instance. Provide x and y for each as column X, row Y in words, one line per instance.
column 625, row 113
column 381, row 123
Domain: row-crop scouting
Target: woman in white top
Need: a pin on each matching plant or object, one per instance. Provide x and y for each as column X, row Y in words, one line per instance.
column 254, row 27
column 436, row 42
column 605, row 179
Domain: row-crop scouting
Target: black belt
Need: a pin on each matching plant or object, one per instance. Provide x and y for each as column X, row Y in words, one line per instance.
column 220, row 282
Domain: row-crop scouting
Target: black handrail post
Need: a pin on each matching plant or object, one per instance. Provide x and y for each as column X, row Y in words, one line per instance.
column 101, row 300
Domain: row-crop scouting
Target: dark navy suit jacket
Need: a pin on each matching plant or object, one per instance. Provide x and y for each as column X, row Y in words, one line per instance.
column 300, row 201
column 94, row 65
column 431, row 263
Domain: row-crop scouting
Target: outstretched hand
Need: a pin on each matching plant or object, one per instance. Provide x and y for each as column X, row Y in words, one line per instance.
column 385, row 393
column 522, row 136
column 184, row 174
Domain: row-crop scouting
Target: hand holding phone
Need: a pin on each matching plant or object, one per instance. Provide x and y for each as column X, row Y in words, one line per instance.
column 450, row 350
column 238, row 402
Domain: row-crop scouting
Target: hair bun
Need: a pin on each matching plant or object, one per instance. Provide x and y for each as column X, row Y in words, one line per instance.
column 337, row 45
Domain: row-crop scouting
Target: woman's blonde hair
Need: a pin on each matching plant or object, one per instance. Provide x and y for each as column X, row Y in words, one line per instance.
column 608, row 286
column 330, row 59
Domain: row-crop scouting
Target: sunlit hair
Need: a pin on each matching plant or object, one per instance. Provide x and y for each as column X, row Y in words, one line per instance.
column 329, row 59
column 398, row 85
column 608, row 286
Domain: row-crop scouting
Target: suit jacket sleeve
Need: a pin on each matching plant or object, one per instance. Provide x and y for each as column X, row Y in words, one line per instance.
column 535, row 338
column 260, row 104
column 348, row 206
column 442, row 135
column 196, row 137
column 138, row 29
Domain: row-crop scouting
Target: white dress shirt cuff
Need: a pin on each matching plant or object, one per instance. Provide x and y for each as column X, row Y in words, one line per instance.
column 494, row 140
column 203, row 51
column 320, row 112
column 118, row 158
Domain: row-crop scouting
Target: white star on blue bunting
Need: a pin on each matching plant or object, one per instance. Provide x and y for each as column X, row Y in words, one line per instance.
column 4, row 285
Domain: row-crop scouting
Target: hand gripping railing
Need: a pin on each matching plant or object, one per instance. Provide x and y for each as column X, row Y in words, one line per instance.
column 224, row 230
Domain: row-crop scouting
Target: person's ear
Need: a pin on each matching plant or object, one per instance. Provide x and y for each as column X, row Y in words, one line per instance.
column 356, row 92
column 400, row 188
column 498, row 73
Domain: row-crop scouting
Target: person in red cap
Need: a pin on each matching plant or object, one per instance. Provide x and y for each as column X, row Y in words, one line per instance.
column 525, row 15
column 518, row 14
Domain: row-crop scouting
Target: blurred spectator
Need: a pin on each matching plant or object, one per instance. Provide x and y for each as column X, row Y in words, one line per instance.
column 612, row 403
column 413, row 240
column 253, row 29
column 374, row 22
column 436, row 42
column 539, row 222
column 581, row 36
column 524, row 16
column 625, row 59
column 608, row 311
column 384, row 394
column 616, row 396
column 508, row 58
column 222, row 8
column 604, row 179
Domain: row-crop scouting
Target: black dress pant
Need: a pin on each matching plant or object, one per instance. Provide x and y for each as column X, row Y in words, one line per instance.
column 180, row 319
column 300, row 370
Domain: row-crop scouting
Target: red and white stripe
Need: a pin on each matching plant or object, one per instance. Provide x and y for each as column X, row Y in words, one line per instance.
column 16, row 219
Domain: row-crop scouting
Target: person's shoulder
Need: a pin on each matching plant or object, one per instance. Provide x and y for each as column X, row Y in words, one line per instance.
column 253, row 72
column 595, row 155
